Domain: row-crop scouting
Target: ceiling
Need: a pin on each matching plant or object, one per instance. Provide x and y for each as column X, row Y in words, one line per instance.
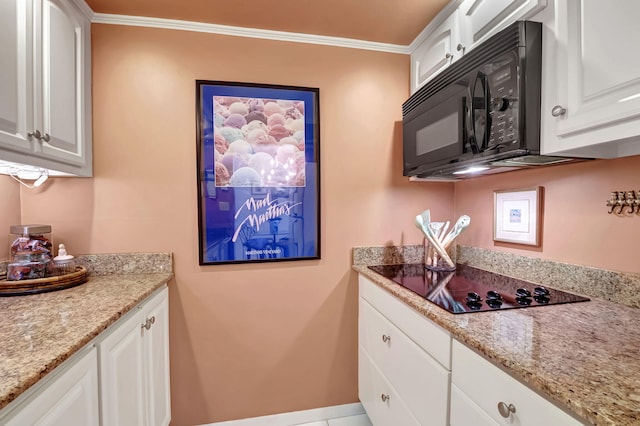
column 385, row 21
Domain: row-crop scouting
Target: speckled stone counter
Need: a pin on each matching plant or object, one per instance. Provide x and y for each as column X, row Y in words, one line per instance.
column 38, row 332
column 585, row 357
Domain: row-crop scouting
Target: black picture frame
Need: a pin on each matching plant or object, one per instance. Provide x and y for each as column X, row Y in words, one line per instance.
column 258, row 161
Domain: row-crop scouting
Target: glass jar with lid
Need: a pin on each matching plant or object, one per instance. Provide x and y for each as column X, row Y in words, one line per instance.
column 30, row 250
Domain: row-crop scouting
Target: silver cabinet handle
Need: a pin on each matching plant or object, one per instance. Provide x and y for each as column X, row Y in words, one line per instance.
column 448, row 56
column 384, row 397
column 35, row 134
column 506, row 410
column 149, row 322
column 386, row 338
column 558, row 110
column 460, row 47
column 46, row 137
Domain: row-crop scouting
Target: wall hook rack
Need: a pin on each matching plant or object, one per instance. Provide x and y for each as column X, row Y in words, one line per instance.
column 621, row 199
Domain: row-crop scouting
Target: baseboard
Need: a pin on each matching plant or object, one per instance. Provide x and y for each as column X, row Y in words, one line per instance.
column 298, row 417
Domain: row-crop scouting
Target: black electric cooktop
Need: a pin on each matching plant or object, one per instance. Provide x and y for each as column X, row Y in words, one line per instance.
column 469, row 289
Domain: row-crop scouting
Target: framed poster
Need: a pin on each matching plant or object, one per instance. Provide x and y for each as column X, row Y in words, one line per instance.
column 516, row 217
column 258, row 172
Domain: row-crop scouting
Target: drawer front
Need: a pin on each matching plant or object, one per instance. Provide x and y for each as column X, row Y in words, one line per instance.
column 465, row 412
column 421, row 382
column 487, row 385
column 379, row 399
column 435, row 340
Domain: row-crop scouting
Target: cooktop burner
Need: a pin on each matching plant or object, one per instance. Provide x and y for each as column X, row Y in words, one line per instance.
column 469, row 289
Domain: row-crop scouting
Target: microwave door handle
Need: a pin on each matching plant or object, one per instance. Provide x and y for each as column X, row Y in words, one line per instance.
column 470, row 140
column 488, row 105
column 485, row 104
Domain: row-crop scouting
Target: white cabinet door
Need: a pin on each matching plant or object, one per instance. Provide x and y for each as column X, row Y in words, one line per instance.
column 157, row 360
column 488, row 387
column 421, row 382
column 60, row 80
column 45, row 82
column 68, row 398
column 122, row 374
column 134, row 367
column 465, row 412
column 480, row 19
column 439, row 48
column 380, row 400
column 16, row 78
column 597, row 97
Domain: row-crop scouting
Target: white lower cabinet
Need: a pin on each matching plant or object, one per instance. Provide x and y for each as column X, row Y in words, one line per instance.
column 411, row 372
column 483, row 394
column 134, row 368
column 401, row 379
column 68, row 396
column 120, row 379
column 465, row 412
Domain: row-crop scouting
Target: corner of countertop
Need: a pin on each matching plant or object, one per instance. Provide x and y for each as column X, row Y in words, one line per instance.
column 614, row 286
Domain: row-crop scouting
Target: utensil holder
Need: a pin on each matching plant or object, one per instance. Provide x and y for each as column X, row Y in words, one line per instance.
column 435, row 262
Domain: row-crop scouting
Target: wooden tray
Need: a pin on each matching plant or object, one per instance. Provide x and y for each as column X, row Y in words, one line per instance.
column 41, row 285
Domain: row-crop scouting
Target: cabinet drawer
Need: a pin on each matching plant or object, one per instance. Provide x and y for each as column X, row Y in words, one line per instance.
column 380, row 400
column 487, row 385
column 429, row 336
column 465, row 412
column 421, row 382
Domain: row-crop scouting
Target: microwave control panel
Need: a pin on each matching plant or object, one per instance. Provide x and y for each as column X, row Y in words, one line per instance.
column 503, row 90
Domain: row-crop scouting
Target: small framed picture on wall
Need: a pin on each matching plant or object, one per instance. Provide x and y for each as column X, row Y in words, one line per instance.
column 517, row 216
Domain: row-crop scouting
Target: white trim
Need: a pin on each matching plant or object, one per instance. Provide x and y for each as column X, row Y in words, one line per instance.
column 298, row 417
column 173, row 24
column 84, row 8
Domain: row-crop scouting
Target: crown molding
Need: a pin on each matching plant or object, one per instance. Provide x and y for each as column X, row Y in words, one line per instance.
column 172, row 24
column 84, row 8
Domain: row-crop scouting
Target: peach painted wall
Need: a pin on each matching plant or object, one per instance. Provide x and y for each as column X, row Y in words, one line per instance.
column 9, row 211
column 576, row 225
column 250, row 339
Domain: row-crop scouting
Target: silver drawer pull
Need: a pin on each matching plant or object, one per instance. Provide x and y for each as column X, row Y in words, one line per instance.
column 35, row 134
column 506, row 410
column 149, row 322
column 558, row 110
column 384, row 397
column 385, row 338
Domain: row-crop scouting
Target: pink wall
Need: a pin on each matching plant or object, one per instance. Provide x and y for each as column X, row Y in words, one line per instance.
column 576, row 225
column 255, row 339
column 250, row 339
column 9, row 211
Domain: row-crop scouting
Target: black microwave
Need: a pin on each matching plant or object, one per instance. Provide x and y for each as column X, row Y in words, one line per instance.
column 481, row 114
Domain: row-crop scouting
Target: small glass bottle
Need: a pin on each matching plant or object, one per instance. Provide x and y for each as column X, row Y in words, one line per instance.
column 63, row 263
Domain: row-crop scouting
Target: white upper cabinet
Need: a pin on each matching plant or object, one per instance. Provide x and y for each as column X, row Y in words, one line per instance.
column 459, row 28
column 594, row 110
column 441, row 46
column 16, row 76
column 45, row 118
column 480, row 19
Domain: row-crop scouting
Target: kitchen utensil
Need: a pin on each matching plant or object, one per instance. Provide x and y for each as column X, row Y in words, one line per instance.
column 461, row 225
column 422, row 221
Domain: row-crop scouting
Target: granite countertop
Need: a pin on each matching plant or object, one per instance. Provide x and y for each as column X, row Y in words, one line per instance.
column 38, row 332
column 583, row 356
